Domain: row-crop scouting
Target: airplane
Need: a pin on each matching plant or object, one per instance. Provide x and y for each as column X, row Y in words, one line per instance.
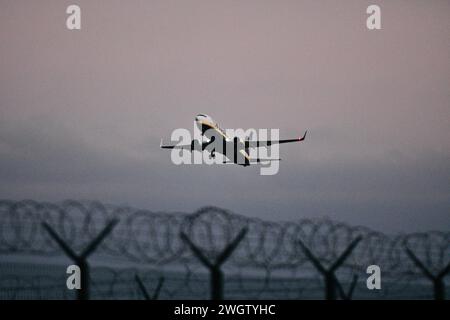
column 210, row 129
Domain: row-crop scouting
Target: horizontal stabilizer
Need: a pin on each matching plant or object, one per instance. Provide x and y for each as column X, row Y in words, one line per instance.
column 252, row 161
column 259, row 160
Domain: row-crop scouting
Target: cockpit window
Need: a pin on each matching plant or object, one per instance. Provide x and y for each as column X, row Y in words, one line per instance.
column 202, row 115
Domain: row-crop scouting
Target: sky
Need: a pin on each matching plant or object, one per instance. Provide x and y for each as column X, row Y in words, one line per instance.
column 82, row 112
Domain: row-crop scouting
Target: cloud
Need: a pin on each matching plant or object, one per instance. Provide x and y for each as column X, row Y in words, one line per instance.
column 82, row 114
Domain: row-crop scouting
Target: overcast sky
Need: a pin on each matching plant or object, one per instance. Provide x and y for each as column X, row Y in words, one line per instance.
column 82, row 112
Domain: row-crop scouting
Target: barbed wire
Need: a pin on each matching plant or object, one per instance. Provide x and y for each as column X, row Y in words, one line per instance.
column 153, row 239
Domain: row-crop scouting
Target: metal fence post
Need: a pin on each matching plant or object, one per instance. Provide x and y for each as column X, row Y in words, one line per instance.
column 216, row 274
column 349, row 294
column 81, row 259
column 437, row 280
column 144, row 291
column 329, row 274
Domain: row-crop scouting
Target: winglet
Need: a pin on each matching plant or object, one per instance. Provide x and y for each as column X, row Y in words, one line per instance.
column 161, row 143
column 304, row 136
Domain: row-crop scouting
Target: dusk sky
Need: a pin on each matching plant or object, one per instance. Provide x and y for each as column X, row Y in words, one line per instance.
column 82, row 112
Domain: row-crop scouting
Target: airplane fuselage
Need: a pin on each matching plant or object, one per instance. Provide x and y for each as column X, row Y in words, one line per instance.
column 214, row 134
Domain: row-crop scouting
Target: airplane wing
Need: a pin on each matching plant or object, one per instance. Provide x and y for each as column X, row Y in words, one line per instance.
column 268, row 143
column 194, row 145
column 167, row 146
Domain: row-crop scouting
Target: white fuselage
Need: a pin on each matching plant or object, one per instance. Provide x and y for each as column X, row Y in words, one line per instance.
column 211, row 130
